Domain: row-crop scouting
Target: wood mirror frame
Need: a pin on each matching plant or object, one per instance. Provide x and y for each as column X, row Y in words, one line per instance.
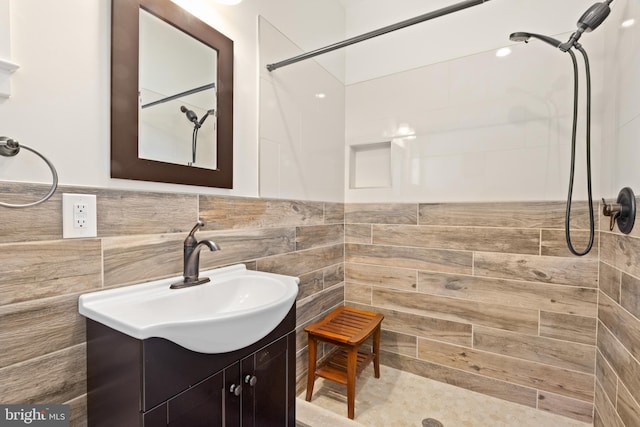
column 125, row 162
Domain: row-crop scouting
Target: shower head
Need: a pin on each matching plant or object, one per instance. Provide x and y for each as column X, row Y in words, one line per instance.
column 594, row 16
column 524, row 37
column 589, row 21
column 191, row 116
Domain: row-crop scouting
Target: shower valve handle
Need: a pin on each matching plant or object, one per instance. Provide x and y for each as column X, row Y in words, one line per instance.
column 611, row 210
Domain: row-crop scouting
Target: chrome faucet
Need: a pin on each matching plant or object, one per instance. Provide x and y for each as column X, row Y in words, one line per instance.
column 191, row 256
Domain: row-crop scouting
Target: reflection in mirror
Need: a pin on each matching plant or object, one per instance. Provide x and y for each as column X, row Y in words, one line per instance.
column 171, row 109
column 177, row 96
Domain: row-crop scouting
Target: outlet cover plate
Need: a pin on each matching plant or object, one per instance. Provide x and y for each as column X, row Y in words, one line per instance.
column 73, row 206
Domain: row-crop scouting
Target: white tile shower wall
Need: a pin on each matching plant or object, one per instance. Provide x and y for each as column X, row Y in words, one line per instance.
column 477, row 29
column 622, row 88
column 481, row 128
column 302, row 117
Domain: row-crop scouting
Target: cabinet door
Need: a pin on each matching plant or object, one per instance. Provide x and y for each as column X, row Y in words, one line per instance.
column 265, row 384
column 199, row 406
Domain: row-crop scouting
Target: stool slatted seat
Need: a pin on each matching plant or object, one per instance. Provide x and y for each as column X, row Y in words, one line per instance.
column 347, row 328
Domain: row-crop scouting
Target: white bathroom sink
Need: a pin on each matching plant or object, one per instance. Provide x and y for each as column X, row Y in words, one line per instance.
column 237, row 308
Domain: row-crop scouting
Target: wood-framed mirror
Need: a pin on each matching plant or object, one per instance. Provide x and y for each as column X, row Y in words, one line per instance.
column 177, row 126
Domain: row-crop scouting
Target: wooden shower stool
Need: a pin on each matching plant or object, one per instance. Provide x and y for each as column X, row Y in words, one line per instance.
column 345, row 328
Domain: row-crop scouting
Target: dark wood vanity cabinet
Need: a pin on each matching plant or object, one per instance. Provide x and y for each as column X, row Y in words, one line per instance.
column 155, row 382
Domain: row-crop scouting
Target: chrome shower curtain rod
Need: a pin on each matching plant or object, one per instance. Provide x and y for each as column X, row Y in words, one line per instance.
column 380, row 31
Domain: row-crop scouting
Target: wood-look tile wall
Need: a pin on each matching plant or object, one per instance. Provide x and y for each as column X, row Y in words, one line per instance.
column 140, row 237
column 483, row 296
column 617, row 393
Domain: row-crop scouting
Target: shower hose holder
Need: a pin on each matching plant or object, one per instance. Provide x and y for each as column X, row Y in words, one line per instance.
column 623, row 212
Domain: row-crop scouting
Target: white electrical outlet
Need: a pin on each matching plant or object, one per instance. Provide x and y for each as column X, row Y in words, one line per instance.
column 79, row 216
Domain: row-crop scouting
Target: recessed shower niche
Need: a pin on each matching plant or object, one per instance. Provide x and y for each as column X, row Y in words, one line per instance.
column 370, row 165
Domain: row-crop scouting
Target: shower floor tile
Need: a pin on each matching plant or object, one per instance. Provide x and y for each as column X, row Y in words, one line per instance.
column 400, row 398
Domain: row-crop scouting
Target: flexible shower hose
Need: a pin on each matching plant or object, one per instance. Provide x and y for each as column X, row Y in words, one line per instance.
column 567, row 218
column 194, row 144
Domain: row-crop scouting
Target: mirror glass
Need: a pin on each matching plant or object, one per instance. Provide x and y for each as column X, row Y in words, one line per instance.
column 177, row 82
column 171, row 96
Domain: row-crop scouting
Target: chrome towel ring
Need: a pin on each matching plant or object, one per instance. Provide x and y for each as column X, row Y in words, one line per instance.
column 9, row 148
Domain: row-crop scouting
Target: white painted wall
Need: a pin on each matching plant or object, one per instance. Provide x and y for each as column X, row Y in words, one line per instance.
column 60, row 101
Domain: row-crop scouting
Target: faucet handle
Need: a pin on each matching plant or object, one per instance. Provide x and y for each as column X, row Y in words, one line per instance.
column 191, row 240
column 196, row 227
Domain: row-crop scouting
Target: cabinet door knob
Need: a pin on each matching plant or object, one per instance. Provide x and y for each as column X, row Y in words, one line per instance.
column 235, row 389
column 251, row 380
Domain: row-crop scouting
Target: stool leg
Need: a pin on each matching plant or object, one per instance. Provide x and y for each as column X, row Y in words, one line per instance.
column 376, row 352
column 311, row 374
column 352, row 361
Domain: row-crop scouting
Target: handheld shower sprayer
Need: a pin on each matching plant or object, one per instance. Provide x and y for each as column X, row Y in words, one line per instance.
column 589, row 21
column 525, row 37
column 209, row 112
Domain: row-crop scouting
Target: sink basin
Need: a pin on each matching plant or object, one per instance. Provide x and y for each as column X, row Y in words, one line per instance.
column 234, row 310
